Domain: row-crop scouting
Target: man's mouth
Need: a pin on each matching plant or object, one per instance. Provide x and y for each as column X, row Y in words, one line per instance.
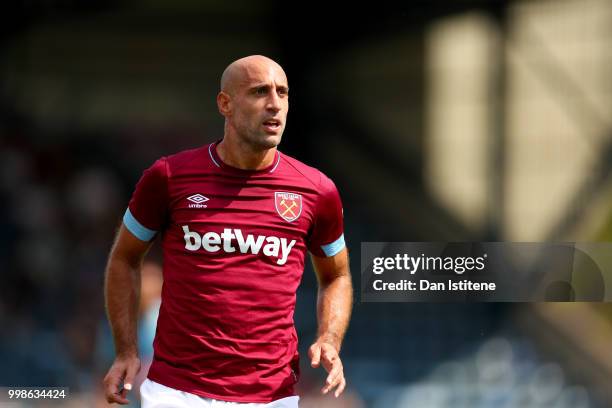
column 272, row 124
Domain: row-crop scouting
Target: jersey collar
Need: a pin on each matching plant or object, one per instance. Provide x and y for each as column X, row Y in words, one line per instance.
column 216, row 160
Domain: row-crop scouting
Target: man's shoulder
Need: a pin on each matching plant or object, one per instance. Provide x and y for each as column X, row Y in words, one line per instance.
column 314, row 175
column 185, row 156
column 185, row 159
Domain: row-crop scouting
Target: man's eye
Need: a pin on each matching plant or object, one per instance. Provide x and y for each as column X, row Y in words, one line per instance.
column 261, row 91
column 283, row 92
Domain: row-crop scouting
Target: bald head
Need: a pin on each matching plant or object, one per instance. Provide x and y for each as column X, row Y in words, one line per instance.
column 254, row 100
column 244, row 69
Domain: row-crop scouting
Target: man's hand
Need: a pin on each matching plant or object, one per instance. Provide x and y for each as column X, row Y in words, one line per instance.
column 325, row 353
column 124, row 369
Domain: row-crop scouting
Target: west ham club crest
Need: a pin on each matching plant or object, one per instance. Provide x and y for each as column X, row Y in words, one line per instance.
column 288, row 205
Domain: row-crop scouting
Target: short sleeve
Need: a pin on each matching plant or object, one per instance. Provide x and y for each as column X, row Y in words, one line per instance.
column 327, row 236
column 146, row 212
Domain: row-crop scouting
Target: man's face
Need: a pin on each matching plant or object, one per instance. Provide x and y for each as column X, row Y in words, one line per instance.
column 259, row 105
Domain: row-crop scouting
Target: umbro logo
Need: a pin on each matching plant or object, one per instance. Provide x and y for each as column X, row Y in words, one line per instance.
column 197, row 201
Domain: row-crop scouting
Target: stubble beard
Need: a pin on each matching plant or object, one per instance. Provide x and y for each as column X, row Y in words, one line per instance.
column 260, row 141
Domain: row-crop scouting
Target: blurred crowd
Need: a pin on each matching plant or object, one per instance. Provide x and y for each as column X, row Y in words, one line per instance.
column 60, row 211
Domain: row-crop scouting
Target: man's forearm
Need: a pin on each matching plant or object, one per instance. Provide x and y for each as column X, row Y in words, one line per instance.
column 122, row 296
column 334, row 306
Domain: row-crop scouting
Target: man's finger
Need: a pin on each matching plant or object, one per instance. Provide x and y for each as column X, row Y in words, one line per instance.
column 333, row 379
column 315, row 355
column 131, row 372
column 329, row 358
column 126, row 388
column 118, row 399
column 335, row 371
column 111, row 384
column 112, row 391
column 332, row 382
column 340, row 388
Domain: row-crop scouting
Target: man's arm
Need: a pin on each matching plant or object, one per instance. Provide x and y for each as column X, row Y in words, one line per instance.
column 122, row 297
column 334, row 304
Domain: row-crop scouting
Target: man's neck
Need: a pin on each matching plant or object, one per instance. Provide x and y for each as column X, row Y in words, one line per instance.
column 243, row 156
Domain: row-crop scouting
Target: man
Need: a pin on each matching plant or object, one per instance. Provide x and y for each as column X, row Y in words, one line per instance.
column 236, row 219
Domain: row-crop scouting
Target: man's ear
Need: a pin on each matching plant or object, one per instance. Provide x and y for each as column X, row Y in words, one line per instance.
column 224, row 103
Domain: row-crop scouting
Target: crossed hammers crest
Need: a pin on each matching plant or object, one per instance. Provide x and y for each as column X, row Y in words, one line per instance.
column 288, row 208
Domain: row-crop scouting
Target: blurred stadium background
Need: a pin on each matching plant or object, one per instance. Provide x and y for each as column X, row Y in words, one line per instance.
column 439, row 121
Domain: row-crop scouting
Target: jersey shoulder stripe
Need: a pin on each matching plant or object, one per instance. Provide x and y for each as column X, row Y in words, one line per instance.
column 335, row 247
column 136, row 228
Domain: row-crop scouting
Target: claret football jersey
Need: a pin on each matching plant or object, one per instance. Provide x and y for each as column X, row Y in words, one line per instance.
column 234, row 244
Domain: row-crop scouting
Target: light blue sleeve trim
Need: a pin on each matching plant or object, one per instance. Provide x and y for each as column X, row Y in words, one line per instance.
column 335, row 247
column 140, row 231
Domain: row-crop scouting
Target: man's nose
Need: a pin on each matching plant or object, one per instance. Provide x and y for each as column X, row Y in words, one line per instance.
column 274, row 102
